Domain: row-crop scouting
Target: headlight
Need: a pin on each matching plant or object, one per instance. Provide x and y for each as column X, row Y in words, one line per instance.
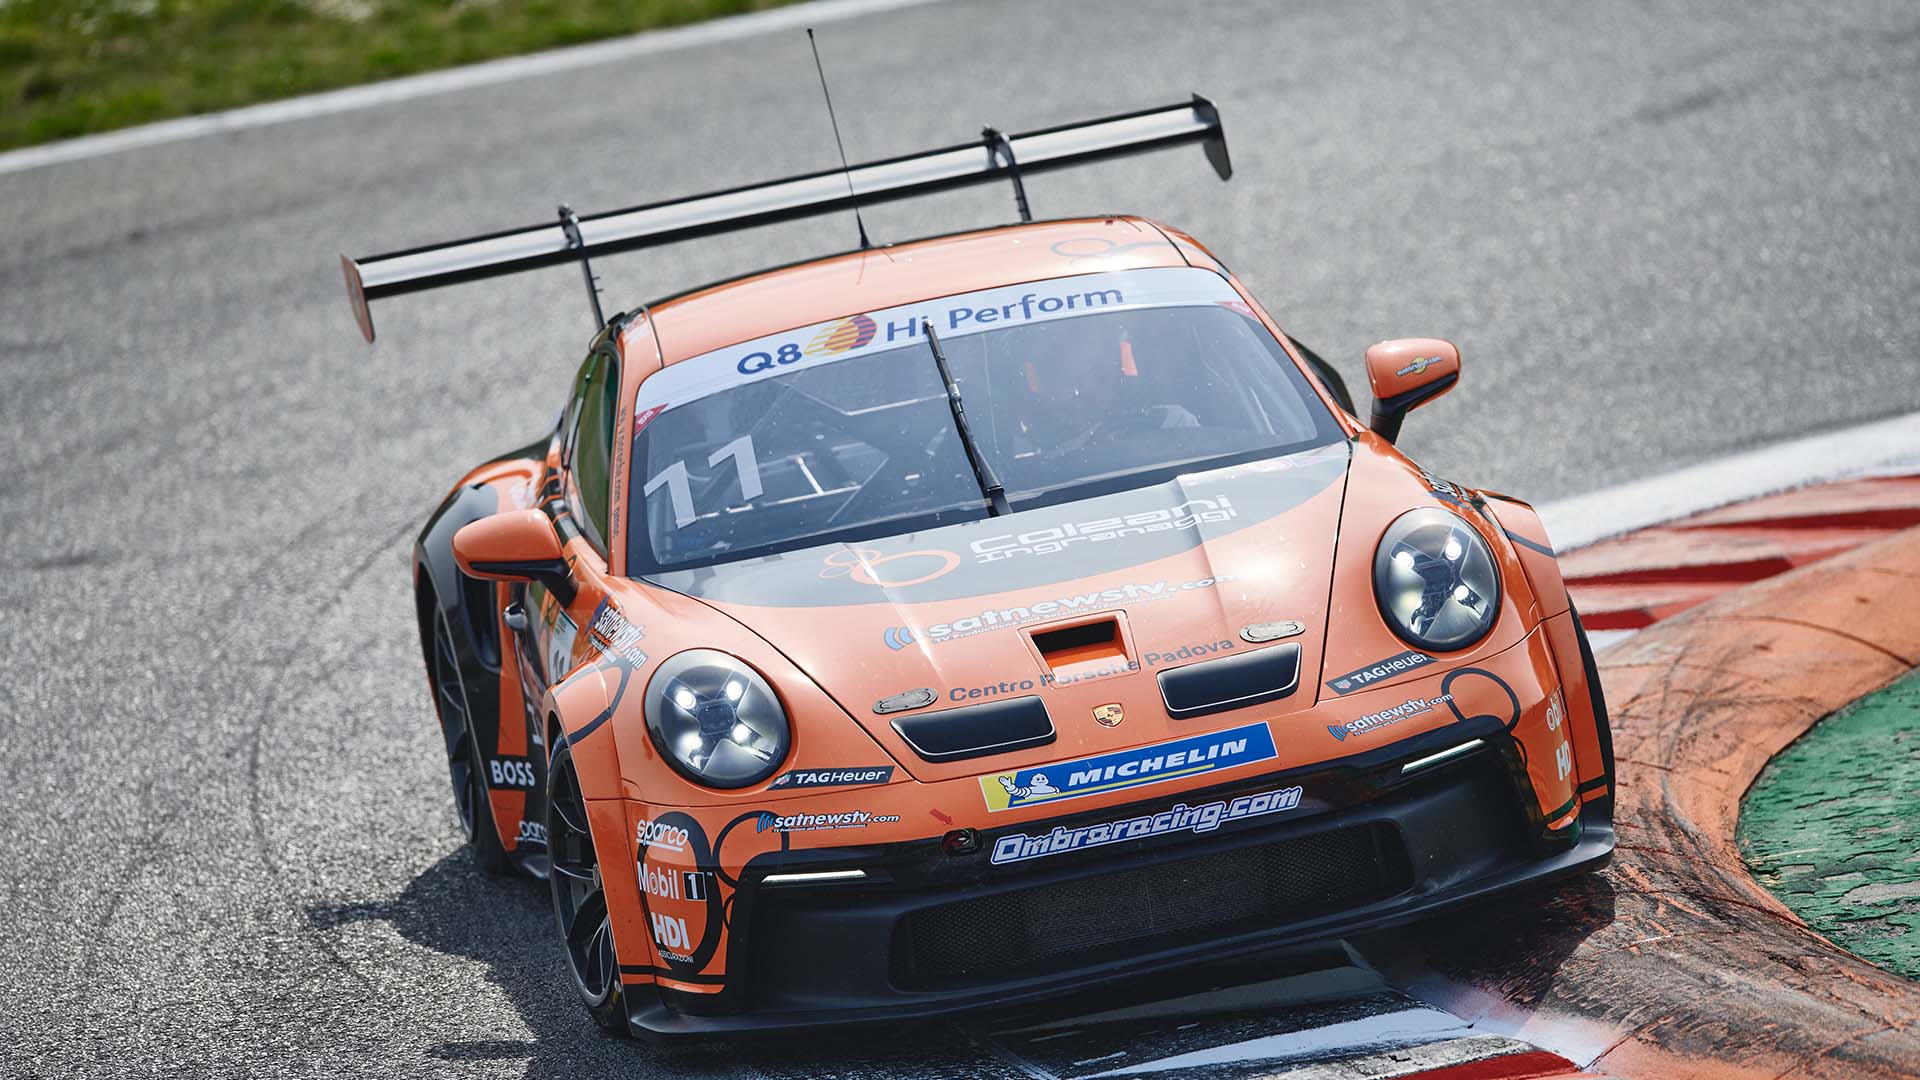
column 1435, row 580
column 716, row 719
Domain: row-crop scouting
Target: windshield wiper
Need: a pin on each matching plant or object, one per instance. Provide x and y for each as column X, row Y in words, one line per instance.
column 983, row 472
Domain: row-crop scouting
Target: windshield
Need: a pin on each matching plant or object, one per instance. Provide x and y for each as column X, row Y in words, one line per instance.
column 1073, row 387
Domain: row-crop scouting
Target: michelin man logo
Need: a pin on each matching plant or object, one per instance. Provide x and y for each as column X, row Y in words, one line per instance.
column 1037, row 787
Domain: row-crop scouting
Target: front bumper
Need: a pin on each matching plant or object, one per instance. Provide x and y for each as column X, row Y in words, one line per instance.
column 928, row 933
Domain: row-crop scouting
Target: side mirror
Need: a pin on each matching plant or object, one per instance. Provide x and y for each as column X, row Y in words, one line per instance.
column 519, row 545
column 1407, row 373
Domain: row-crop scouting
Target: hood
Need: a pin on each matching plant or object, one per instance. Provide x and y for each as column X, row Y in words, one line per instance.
column 1174, row 572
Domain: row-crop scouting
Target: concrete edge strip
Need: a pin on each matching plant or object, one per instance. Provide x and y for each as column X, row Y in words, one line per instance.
column 1892, row 444
column 449, row 80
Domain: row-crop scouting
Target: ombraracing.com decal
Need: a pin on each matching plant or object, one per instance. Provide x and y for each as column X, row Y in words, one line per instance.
column 1019, row 847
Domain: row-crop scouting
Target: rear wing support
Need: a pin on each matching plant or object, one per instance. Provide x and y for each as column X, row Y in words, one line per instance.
column 994, row 157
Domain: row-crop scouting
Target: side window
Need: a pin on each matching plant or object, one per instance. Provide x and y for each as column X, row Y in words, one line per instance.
column 590, row 447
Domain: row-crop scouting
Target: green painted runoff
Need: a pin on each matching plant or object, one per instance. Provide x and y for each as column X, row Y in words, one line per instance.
column 1830, row 826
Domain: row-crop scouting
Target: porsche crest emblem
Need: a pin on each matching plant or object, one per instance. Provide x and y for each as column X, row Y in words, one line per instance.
column 1109, row 715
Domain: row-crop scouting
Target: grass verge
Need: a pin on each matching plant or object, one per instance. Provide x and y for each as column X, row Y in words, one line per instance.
column 74, row 67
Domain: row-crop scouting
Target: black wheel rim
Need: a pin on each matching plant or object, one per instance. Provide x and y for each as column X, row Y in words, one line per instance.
column 456, row 727
column 579, row 902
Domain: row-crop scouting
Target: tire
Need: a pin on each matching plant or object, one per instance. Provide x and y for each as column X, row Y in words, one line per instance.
column 466, row 767
column 1603, row 727
column 579, row 901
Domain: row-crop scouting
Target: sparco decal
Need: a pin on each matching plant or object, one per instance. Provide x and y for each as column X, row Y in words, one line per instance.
column 1372, row 721
column 807, row 778
column 1374, row 672
column 1128, row 768
column 1053, row 539
column 1019, row 847
column 653, row 834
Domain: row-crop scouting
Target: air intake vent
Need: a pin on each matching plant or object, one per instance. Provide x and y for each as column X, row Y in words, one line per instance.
column 1139, row 910
column 1231, row 682
column 997, row 727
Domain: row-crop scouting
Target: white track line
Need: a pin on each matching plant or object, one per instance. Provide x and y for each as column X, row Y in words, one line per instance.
column 1891, row 445
column 492, row 72
column 1406, row 1027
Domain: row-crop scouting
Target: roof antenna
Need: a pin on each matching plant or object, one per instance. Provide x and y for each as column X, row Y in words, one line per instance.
column 848, row 169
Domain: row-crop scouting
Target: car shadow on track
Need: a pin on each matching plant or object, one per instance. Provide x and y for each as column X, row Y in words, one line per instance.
column 506, row 924
column 1479, row 961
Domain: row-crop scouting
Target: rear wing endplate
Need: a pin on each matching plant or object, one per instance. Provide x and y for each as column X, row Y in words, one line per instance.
column 575, row 238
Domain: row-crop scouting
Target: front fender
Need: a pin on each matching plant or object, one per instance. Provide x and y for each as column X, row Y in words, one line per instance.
column 1528, row 536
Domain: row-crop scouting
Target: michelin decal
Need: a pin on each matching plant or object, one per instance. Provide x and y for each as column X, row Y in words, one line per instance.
column 1124, row 769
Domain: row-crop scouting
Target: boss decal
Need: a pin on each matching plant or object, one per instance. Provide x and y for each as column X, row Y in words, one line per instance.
column 511, row 772
column 1137, row 767
column 1375, row 672
column 813, row 778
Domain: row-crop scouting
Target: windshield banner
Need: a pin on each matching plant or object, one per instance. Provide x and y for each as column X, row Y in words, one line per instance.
column 951, row 316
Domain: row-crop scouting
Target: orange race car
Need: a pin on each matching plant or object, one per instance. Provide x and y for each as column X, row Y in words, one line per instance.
column 957, row 621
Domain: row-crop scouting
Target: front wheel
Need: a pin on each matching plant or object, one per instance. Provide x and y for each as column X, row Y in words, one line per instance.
column 464, row 765
column 579, row 900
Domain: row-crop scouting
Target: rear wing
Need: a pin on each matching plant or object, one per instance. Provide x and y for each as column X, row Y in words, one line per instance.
column 574, row 238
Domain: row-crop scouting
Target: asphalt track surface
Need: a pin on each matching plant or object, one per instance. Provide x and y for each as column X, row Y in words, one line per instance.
column 1660, row 231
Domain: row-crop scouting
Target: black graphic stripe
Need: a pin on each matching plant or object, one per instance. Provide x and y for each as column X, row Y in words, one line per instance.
column 663, row 973
column 1530, row 545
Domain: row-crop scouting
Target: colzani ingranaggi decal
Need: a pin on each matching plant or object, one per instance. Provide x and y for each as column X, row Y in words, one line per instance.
column 1374, row 672
column 1053, row 539
column 1121, row 769
column 1376, row 720
column 1019, row 847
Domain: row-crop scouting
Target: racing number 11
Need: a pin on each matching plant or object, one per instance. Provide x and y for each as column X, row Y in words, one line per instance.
column 674, row 479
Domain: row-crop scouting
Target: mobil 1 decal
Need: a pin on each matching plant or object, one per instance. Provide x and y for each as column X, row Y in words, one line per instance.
column 686, row 893
column 1029, row 549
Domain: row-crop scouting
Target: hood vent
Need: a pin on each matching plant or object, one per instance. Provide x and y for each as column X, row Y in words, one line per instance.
column 997, row 727
column 1231, row 682
column 1084, row 648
